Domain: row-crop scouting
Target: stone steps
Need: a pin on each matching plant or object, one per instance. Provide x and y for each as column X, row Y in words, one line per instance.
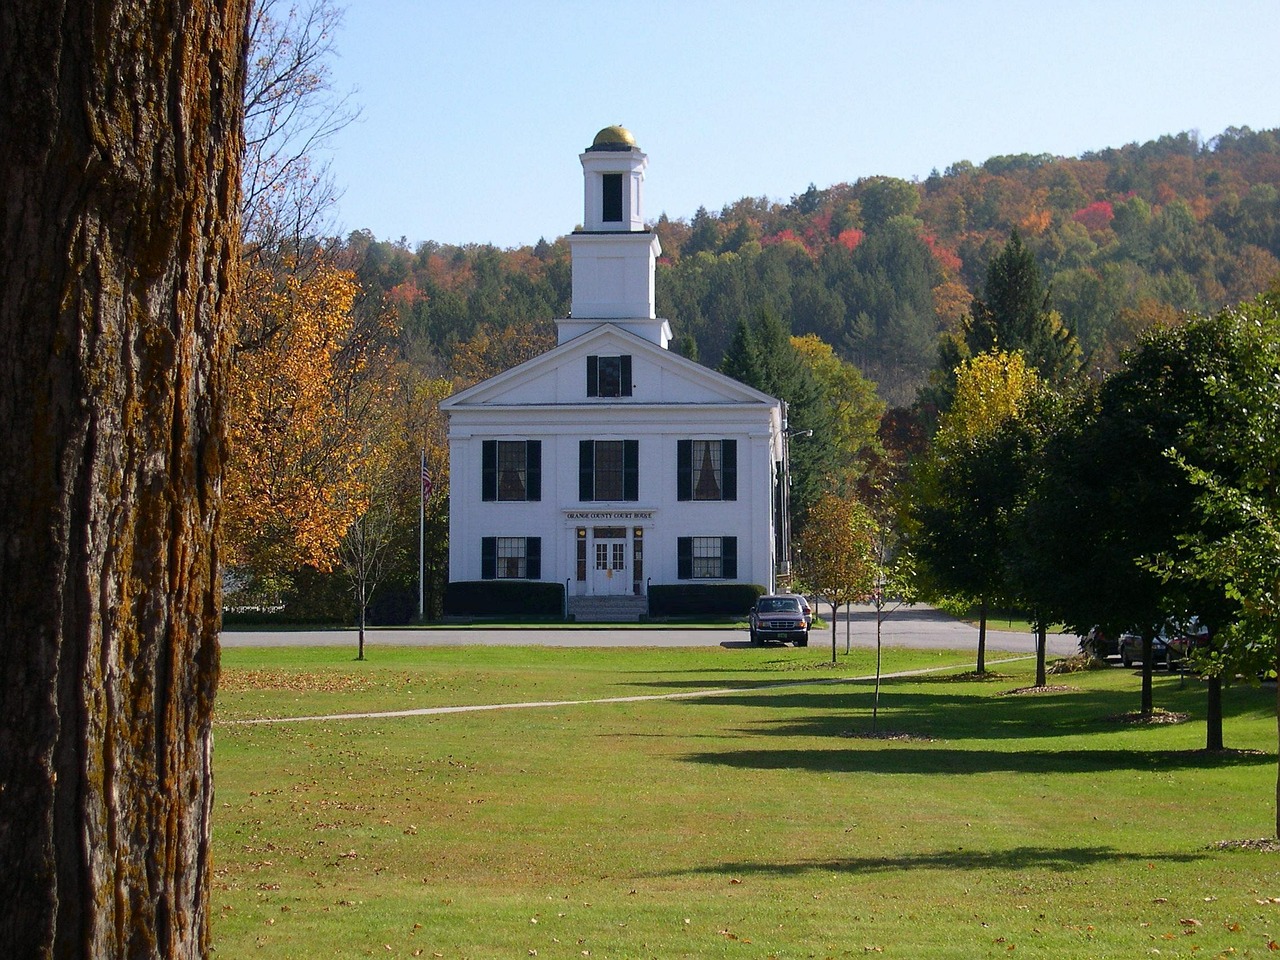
column 623, row 609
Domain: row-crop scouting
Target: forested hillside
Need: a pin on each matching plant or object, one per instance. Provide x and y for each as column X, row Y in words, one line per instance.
column 882, row 267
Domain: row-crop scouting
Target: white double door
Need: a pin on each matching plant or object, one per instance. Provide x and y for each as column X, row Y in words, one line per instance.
column 608, row 562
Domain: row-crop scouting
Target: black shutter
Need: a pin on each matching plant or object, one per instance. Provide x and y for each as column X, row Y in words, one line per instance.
column 533, row 558
column 625, row 364
column 593, row 376
column 630, row 469
column 684, row 469
column 586, row 470
column 729, row 468
column 488, row 558
column 684, row 558
column 533, row 469
column 729, row 558
column 489, row 471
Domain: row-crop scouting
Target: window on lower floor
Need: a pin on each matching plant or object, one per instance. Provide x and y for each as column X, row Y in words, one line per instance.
column 707, row 558
column 511, row 558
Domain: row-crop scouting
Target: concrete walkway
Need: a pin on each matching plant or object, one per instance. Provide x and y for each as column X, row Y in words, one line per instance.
column 639, row 698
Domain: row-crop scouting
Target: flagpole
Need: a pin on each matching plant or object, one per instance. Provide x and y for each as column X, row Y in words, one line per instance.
column 422, row 528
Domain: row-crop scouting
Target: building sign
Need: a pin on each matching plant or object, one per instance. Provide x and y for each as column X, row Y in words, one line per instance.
column 631, row 515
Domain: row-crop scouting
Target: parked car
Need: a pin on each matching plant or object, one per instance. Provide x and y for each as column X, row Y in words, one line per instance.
column 1169, row 647
column 1099, row 644
column 778, row 617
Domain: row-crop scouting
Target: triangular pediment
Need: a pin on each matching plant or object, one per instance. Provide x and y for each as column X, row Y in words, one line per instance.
column 559, row 378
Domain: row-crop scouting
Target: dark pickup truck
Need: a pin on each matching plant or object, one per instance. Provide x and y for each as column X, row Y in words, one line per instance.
column 778, row 618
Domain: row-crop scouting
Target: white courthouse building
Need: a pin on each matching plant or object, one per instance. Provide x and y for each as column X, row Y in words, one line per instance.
column 610, row 463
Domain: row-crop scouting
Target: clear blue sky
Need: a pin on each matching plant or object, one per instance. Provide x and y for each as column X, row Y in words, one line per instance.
column 475, row 111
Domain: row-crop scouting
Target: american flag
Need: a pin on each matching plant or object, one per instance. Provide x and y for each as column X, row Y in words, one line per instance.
column 426, row 479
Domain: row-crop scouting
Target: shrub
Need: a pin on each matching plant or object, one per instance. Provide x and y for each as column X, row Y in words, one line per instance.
column 705, row 599
column 504, row 598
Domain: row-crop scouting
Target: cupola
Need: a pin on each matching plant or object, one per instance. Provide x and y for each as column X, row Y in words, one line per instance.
column 614, row 253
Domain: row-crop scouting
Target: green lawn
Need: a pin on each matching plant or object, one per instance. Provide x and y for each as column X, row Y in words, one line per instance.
column 759, row 823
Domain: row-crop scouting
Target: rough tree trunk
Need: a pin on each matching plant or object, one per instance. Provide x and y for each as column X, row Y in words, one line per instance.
column 120, row 141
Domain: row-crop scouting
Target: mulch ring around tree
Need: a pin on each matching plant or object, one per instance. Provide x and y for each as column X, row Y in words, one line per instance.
column 1048, row 688
column 973, row 676
column 885, row 735
column 1265, row 844
column 1157, row 717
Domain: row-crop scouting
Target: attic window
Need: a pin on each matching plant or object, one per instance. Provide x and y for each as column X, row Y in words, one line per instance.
column 609, row 376
column 612, row 209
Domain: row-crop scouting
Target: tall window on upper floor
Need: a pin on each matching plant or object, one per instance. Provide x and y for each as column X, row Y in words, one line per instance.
column 609, row 376
column 611, row 212
column 706, row 470
column 511, row 470
column 608, row 470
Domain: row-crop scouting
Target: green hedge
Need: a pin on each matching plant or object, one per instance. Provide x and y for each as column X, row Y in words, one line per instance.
column 702, row 599
column 504, row 598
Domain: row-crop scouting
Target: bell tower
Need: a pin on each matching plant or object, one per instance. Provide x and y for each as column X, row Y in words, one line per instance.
column 614, row 253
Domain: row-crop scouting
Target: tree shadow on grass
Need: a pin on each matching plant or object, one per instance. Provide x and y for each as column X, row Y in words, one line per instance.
column 818, row 711
column 1058, row 859
column 941, row 760
column 824, row 712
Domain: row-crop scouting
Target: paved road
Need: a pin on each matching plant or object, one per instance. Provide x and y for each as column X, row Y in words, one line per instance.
column 919, row 626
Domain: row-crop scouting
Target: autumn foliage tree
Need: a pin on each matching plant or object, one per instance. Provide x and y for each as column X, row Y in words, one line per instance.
column 964, row 493
column 855, row 409
column 290, row 110
column 307, row 402
column 837, row 552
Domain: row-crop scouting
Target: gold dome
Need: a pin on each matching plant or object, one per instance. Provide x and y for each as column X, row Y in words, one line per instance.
column 613, row 138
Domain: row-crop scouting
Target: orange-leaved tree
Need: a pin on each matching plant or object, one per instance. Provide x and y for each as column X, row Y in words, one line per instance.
column 492, row 350
column 837, row 552
column 308, row 389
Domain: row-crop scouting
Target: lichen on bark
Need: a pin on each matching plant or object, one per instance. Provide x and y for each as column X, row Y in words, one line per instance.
column 120, row 141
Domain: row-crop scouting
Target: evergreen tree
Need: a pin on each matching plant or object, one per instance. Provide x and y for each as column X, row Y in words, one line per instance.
column 762, row 355
column 1013, row 314
column 704, row 236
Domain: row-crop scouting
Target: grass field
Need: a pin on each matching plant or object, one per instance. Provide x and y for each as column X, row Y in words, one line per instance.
column 758, row 823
